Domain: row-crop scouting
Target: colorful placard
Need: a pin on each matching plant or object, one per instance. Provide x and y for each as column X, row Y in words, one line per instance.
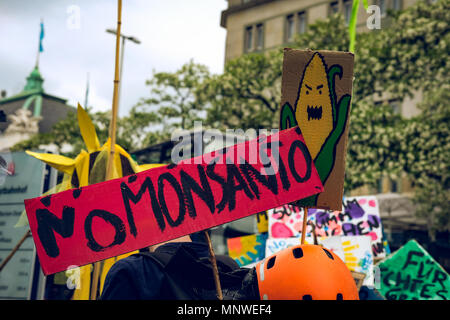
column 246, row 250
column 286, row 221
column 103, row 220
column 262, row 222
column 411, row 273
column 355, row 251
column 359, row 216
column 273, row 245
column 316, row 92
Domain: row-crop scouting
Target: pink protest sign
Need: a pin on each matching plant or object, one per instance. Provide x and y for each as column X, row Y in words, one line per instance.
column 88, row 224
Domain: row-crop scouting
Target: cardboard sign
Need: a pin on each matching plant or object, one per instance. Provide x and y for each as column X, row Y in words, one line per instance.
column 247, row 249
column 286, row 221
column 92, row 223
column 275, row 245
column 358, row 216
column 411, row 273
column 355, row 251
column 262, row 222
column 316, row 91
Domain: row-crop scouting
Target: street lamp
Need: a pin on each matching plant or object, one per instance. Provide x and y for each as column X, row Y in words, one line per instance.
column 124, row 37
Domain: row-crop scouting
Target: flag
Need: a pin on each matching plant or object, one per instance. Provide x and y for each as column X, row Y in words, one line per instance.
column 41, row 36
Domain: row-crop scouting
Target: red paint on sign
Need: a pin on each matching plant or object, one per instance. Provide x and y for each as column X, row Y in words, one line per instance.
column 82, row 226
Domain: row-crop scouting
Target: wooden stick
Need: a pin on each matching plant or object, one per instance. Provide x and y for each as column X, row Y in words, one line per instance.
column 112, row 134
column 214, row 264
column 14, row 250
column 115, row 104
column 305, row 220
column 313, row 226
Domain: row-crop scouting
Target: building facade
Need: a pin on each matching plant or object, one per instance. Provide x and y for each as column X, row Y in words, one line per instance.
column 29, row 112
column 260, row 25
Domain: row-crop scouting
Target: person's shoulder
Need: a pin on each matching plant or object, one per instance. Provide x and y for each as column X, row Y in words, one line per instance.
column 131, row 263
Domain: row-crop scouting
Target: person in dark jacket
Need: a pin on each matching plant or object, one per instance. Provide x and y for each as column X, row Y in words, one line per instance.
column 178, row 270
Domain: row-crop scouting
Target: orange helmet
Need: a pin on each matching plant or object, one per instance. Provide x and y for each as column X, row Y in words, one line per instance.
column 305, row 272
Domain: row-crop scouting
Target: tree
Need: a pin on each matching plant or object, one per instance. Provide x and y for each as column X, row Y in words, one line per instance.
column 247, row 94
column 132, row 133
column 173, row 97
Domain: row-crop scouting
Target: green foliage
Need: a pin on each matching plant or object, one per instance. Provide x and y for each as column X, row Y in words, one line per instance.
column 247, row 94
column 173, row 97
column 426, row 157
column 132, row 133
column 373, row 146
column 413, row 52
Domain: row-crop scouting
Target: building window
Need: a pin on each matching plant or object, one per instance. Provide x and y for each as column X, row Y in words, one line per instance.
column 334, row 7
column 301, row 22
column 347, row 5
column 380, row 186
column 394, row 186
column 259, row 36
column 397, row 4
column 382, row 5
column 295, row 23
column 249, row 39
column 396, row 106
column 290, row 28
column 254, row 38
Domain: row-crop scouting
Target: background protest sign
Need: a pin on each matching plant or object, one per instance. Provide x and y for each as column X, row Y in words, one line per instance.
column 355, row 251
column 247, row 249
column 315, row 95
column 286, row 221
column 358, row 216
column 274, row 245
column 411, row 273
column 92, row 223
column 262, row 222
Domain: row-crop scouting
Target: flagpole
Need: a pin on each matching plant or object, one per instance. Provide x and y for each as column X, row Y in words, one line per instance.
column 39, row 43
column 86, row 93
column 112, row 135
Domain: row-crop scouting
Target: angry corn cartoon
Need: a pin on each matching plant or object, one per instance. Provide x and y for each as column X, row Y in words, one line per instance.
column 320, row 116
column 313, row 110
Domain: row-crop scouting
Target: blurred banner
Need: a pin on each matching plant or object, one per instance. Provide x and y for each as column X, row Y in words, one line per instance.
column 23, row 179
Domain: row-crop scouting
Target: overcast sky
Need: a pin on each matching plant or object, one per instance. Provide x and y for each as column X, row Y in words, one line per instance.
column 171, row 33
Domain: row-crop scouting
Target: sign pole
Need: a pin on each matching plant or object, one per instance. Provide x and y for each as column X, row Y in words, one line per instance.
column 14, row 250
column 112, row 134
column 214, row 265
column 305, row 220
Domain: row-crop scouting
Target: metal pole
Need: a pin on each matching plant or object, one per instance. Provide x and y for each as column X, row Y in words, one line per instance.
column 122, row 53
column 112, row 134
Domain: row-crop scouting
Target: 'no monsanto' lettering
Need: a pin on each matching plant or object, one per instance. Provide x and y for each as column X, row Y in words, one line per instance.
column 81, row 226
